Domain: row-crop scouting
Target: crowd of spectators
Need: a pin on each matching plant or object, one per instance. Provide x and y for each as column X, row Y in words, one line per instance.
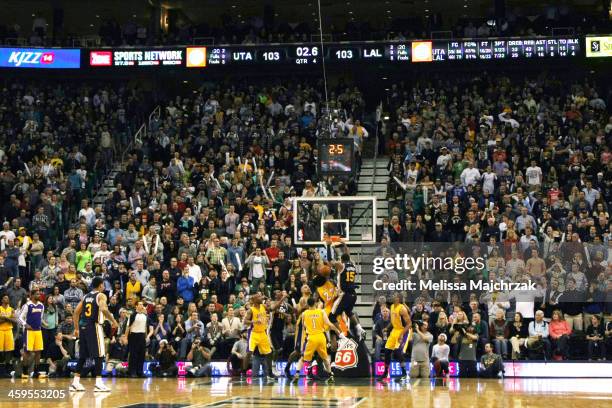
column 56, row 142
column 199, row 217
column 517, row 170
column 255, row 30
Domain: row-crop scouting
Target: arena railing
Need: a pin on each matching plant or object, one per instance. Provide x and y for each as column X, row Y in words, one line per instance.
column 325, row 37
column 142, row 132
column 376, row 142
column 441, row 35
column 203, row 41
column 563, row 31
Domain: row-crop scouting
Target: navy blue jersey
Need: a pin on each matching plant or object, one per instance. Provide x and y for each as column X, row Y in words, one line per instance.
column 348, row 278
column 91, row 313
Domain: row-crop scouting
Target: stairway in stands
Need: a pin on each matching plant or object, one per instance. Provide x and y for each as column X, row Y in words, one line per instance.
column 373, row 179
column 108, row 185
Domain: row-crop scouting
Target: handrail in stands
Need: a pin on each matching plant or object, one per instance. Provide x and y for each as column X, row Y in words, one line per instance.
column 203, row 41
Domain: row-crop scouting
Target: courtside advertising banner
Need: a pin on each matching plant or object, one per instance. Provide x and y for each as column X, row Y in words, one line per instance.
column 49, row 58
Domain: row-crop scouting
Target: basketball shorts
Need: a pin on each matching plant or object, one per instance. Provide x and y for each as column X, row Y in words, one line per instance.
column 315, row 343
column 91, row 342
column 7, row 342
column 298, row 336
column 397, row 341
column 260, row 341
column 34, row 340
column 344, row 303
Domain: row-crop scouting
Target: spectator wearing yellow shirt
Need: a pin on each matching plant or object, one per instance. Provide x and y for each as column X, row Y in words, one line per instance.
column 133, row 287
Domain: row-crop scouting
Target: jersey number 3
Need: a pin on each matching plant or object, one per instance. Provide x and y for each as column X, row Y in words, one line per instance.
column 88, row 309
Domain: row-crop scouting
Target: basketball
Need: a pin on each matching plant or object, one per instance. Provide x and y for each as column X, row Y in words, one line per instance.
column 325, row 271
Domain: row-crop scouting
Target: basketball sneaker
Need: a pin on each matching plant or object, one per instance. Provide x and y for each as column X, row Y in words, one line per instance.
column 100, row 387
column 78, row 387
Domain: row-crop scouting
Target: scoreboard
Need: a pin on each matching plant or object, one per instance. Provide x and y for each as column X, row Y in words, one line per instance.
column 397, row 52
column 505, row 49
column 307, row 54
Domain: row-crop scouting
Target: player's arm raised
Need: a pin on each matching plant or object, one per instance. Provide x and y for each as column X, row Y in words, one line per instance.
column 339, row 269
column 104, row 309
column 275, row 305
column 332, row 326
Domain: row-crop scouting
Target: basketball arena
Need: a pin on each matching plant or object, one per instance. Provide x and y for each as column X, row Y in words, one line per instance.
column 314, row 204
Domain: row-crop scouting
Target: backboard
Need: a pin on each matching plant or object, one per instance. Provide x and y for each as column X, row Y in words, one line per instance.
column 349, row 218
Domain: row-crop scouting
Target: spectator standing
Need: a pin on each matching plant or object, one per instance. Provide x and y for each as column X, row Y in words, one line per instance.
column 499, row 333
column 571, row 302
column 419, row 362
column 467, row 352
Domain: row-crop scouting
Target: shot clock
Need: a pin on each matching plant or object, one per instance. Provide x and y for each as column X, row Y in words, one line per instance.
column 336, row 157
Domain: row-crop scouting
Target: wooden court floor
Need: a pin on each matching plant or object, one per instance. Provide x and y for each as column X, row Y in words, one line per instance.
column 225, row 392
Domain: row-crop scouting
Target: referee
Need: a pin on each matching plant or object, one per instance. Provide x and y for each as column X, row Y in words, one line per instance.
column 137, row 344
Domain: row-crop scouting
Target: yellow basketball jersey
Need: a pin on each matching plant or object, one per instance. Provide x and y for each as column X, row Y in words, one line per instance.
column 313, row 321
column 6, row 312
column 261, row 314
column 327, row 293
column 396, row 317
